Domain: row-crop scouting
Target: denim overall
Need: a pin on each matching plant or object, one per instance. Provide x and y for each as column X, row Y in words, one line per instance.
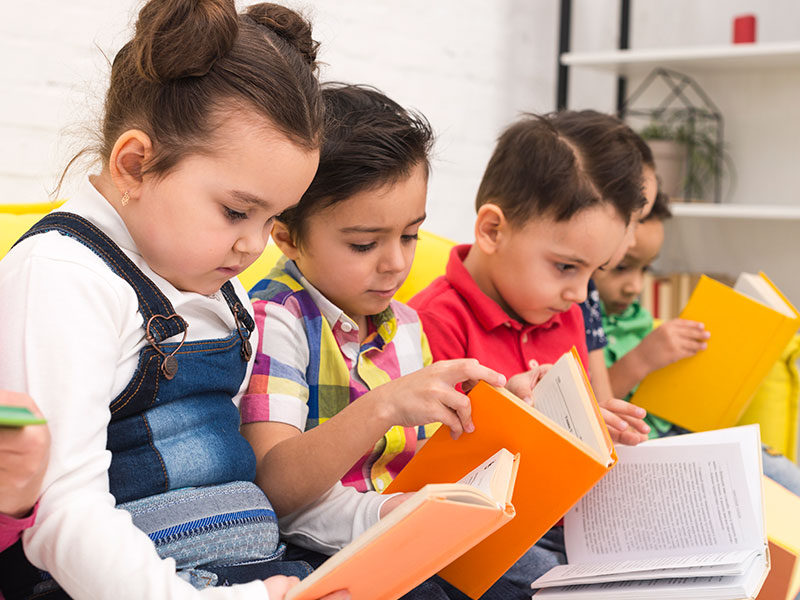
column 179, row 464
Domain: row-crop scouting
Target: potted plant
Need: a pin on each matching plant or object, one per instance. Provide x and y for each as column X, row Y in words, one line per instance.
column 689, row 156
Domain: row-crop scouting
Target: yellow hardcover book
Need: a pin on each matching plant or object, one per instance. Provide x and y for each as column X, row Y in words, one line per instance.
column 750, row 325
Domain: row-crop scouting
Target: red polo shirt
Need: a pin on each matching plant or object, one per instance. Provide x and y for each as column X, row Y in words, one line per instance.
column 463, row 322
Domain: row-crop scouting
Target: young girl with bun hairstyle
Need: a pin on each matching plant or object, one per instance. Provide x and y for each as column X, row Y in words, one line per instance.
column 123, row 318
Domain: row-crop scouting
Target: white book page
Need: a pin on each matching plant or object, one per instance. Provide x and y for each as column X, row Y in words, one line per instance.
column 749, row 439
column 757, row 288
column 556, row 397
column 727, row 563
column 662, row 501
column 733, row 587
column 481, row 477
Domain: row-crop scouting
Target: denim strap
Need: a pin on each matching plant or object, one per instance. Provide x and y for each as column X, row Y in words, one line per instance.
column 152, row 302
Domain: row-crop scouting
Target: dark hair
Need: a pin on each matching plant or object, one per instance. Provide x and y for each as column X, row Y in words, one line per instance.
column 612, row 154
column 535, row 171
column 369, row 141
column 661, row 210
column 191, row 60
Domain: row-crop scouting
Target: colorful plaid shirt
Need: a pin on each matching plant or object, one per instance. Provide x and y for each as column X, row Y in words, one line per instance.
column 309, row 366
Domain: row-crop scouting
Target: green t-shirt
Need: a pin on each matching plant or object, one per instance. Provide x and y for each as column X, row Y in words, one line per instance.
column 624, row 332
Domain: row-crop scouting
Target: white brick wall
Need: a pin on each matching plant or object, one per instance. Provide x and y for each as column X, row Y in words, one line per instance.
column 469, row 65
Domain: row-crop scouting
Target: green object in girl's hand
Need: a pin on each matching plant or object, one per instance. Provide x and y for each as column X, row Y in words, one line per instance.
column 18, row 416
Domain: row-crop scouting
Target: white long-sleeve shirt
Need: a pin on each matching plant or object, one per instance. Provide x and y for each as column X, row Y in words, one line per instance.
column 70, row 337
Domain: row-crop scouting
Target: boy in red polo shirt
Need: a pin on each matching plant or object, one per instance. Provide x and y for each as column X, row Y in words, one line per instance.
column 547, row 219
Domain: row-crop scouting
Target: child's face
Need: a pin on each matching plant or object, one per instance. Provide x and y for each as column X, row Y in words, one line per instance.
column 621, row 285
column 543, row 268
column 210, row 217
column 358, row 252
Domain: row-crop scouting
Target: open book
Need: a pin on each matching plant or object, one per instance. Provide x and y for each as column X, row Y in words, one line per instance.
column 426, row 532
column 750, row 325
column 564, row 447
column 679, row 517
column 18, row 416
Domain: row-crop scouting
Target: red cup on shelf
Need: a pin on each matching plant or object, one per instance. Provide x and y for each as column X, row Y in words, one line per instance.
column 744, row 29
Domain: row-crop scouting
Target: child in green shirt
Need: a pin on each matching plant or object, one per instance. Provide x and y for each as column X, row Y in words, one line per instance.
column 635, row 348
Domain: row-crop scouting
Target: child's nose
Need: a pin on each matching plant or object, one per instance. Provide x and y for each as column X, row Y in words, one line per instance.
column 251, row 241
column 393, row 258
column 633, row 286
column 577, row 293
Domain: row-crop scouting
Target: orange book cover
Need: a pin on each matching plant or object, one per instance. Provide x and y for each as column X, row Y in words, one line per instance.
column 712, row 389
column 419, row 537
column 556, row 468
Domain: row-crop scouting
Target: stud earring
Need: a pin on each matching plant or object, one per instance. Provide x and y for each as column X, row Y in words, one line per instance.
column 126, row 197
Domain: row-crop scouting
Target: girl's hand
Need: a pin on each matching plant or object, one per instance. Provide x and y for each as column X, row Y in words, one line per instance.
column 672, row 341
column 278, row 585
column 24, row 453
column 625, row 422
column 522, row 384
column 429, row 395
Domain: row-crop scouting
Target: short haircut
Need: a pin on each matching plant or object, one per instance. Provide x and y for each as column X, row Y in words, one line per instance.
column 661, row 211
column 535, row 171
column 559, row 164
column 369, row 141
column 612, row 154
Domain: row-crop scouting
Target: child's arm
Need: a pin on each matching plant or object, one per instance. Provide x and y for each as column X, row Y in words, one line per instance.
column 672, row 341
column 296, row 467
column 23, row 460
column 624, row 420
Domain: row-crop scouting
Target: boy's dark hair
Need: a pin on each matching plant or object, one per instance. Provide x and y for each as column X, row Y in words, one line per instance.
column 191, row 60
column 369, row 141
column 612, row 154
column 660, row 210
column 560, row 164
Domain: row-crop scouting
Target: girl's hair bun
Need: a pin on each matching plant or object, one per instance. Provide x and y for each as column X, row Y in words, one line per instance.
column 182, row 38
column 288, row 25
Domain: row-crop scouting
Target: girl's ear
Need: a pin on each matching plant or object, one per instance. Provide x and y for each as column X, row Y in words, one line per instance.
column 491, row 228
column 132, row 150
column 283, row 239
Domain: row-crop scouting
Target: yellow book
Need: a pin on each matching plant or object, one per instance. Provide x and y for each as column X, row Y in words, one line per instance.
column 750, row 325
column 783, row 532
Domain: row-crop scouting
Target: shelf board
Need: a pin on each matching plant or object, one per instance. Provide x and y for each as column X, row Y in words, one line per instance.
column 690, row 58
column 702, row 210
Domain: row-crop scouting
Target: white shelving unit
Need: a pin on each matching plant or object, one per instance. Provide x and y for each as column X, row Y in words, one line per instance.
column 703, row 210
column 692, row 60
column 728, row 237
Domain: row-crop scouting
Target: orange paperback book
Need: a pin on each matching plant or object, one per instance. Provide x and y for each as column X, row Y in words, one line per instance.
column 426, row 532
column 564, row 450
